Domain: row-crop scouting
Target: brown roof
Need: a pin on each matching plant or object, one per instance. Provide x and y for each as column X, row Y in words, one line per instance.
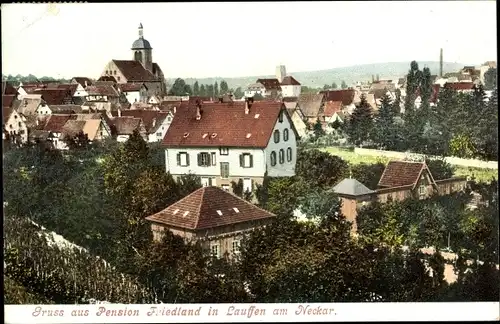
column 289, row 80
column 224, row 124
column 6, row 112
column 82, row 80
column 290, row 99
column 402, row 173
column 70, row 87
column 53, row 96
column 65, row 109
column 331, row 107
column 134, row 71
column 150, row 118
column 126, row 125
column 270, row 84
column 72, row 127
column 8, row 89
column 378, row 93
column 106, row 78
column 311, row 104
column 459, row 85
column 209, row 207
column 346, row 96
column 8, row 100
column 102, row 90
column 55, row 123
column 130, row 87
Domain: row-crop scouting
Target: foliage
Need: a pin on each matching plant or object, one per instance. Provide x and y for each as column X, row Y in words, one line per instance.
column 384, row 129
column 490, row 79
column 180, row 88
column 440, row 169
column 368, row 174
column 78, row 141
column 14, row 293
column 318, row 129
column 343, row 85
column 360, row 124
column 258, row 97
column 188, row 183
column 320, row 169
column 284, row 194
column 462, row 146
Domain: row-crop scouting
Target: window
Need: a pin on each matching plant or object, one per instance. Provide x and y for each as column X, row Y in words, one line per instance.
column 15, row 116
column 117, row 78
column 224, row 170
column 215, row 250
column 273, row 158
column 19, row 124
column 213, row 158
column 225, row 187
column 247, row 185
column 276, row 136
column 421, row 190
column 158, row 134
column 169, row 119
column 204, row 159
column 281, row 117
column 285, row 135
column 282, row 156
column 205, row 182
column 246, row 160
column 183, row 159
column 114, row 72
column 289, row 154
column 224, row 151
column 235, row 247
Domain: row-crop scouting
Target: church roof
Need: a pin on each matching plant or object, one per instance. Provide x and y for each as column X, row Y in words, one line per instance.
column 141, row 43
column 351, row 187
column 134, row 71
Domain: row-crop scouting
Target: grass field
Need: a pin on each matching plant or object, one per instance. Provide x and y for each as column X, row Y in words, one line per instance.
column 481, row 175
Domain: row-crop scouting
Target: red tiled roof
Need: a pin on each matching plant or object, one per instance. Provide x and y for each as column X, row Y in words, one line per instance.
column 8, row 89
column 149, row 117
column 102, row 90
column 291, row 99
column 134, row 71
column 270, row 84
column 346, row 96
column 401, row 173
column 289, row 80
column 435, row 92
column 459, row 85
column 55, row 123
column 311, row 104
column 53, row 96
column 331, row 107
column 8, row 100
column 126, row 125
column 6, row 112
column 224, row 124
column 209, row 207
column 130, row 87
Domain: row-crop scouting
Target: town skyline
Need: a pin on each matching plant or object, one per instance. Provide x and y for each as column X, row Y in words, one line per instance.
column 24, row 27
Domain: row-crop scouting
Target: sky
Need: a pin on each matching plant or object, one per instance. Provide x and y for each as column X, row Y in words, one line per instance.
column 235, row 39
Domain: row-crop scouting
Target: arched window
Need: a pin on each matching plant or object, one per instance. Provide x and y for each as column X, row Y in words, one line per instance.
column 273, row 158
column 289, row 154
column 276, row 136
column 285, row 134
column 138, row 56
column 282, row 156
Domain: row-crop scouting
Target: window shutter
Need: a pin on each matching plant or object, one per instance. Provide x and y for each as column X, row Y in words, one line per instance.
column 209, row 162
column 187, row 159
column 251, row 160
column 178, row 158
column 242, row 157
column 199, row 159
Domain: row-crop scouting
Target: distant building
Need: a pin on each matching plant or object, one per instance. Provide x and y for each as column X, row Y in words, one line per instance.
column 280, row 73
column 290, row 87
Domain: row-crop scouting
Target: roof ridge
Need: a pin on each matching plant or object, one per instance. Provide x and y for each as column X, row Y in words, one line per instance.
column 244, row 200
column 199, row 206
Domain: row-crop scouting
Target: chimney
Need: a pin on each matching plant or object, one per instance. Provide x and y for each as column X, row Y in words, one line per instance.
column 378, row 78
column 441, row 63
column 85, row 84
column 247, row 107
column 198, row 110
column 154, row 123
column 175, row 110
column 119, row 112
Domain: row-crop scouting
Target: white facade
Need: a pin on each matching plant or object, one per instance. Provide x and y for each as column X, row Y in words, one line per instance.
column 291, row 90
column 21, row 92
column 133, row 96
column 122, row 138
column 252, row 91
column 277, row 164
column 43, row 110
column 80, row 91
column 15, row 125
column 161, row 131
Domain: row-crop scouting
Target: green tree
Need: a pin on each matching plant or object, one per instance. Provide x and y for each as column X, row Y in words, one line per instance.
column 77, row 141
column 238, row 93
column 318, row 129
column 196, row 89
column 490, row 79
column 283, row 195
column 344, row 85
column 368, row 174
column 180, row 88
column 360, row 124
column 224, row 88
column 320, row 169
column 326, row 87
column 461, row 145
column 188, row 183
column 440, row 169
column 334, row 86
column 258, row 97
column 412, row 85
column 203, row 91
column 216, row 89
column 384, row 130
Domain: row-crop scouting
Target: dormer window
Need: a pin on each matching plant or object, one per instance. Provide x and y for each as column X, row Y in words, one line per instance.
column 224, row 151
column 214, row 135
column 186, row 135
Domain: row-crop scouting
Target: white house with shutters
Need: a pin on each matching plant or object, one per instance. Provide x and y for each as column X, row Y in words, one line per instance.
column 225, row 142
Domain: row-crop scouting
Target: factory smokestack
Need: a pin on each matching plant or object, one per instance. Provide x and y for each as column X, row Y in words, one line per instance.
column 441, row 63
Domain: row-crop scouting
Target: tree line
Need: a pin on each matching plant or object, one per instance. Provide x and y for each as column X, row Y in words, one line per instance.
column 181, row 88
column 118, row 184
column 459, row 124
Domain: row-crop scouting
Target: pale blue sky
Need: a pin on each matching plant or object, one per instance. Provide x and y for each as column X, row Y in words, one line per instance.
column 244, row 39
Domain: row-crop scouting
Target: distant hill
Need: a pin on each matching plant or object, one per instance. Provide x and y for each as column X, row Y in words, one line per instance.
column 348, row 74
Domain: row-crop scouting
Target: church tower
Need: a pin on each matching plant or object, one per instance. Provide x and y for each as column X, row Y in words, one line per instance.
column 142, row 51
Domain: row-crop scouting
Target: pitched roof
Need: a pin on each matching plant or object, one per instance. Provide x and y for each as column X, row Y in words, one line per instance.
column 170, row 105
column 289, row 80
column 402, row 173
column 331, row 107
column 39, row 134
column 310, row 104
column 106, row 78
column 55, row 123
column 134, row 71
column 8, row 89
column 72, row 128
column 151, row 118
column 126, row 125
column 209, row 207
column 290, row 99
column 8, row 100
column 459, row 85
column 53, row 96
column 102, row 90
column 346, row 95
column 70, row 87
column 378, row 93
column 65, row 109
column 270, row 84
column 130, row 87
column 83, row 80
column 224, row 124
column 6, row 112
column 351, row 187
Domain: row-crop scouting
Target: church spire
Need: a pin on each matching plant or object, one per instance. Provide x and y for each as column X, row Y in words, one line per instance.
column 141, row 34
